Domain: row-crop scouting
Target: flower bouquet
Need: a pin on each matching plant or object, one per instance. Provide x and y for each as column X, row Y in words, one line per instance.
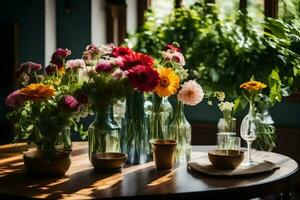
column 46, row 107
column 119, row 72
column 173, row 80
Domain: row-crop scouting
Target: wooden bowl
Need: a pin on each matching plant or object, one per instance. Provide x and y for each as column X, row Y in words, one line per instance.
column 109, row 161
column 222, row 160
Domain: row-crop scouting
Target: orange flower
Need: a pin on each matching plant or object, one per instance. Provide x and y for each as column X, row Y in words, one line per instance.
column 38, row 91
column 253, row 86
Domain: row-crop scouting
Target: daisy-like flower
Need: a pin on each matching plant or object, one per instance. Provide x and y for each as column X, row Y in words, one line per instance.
column 38, row 91
column 121, row 51
column 191, row 93
column 253, row 86
column 143, row 78
column 168, row 82
column 134, row 59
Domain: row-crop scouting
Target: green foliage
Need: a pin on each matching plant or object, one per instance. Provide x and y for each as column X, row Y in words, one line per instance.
column 222, row 54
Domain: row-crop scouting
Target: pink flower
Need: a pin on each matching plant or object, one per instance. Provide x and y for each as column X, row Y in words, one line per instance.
column 15, row 99
column 191, row 93
column 104, row 66
column 59, row 56
column 94, row 50
column 174, row 56
column 118, row 74
column 75, row 64
column 70, row 102
column 172, row 47
column 62, row 53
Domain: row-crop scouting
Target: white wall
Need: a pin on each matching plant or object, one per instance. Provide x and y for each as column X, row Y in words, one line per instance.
column 98, row 24
column 50, row 29
column 131, row 16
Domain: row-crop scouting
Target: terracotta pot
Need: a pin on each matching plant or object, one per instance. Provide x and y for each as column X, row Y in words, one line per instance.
column 37, row 164
column 163, row 153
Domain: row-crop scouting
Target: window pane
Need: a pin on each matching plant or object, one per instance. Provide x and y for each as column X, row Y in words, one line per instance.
column 162, row 8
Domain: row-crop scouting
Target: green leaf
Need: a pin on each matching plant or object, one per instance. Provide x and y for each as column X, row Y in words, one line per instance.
column 240, row 104
column 30, row 127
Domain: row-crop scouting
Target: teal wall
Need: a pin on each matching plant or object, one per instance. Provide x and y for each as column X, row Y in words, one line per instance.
column 29, row 18
column 73, row 25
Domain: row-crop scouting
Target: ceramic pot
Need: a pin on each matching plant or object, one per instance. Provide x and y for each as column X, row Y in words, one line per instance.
column 40, row 164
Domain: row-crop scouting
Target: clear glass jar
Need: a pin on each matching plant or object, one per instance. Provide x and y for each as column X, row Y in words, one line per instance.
column 159, row 113
column 179, row 129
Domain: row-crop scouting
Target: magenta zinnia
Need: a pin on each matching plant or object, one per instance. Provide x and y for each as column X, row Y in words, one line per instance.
column 143, row 78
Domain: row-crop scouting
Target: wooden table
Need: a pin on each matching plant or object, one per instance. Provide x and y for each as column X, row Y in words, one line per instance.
column 142, row 181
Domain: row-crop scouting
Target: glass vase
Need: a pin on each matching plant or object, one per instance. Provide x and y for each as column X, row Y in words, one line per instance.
column 64, row 141
column 227, row 125
column 180, row 130
column 104, row 133
column 134, row 135
column 248, row 131
column 159, row 113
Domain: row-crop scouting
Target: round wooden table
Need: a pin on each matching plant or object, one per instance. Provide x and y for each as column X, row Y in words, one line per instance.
column 142, row 181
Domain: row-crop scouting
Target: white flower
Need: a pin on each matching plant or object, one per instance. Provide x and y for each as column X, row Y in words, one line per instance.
column 220, row 95
column 75, row 64
column 228, row 106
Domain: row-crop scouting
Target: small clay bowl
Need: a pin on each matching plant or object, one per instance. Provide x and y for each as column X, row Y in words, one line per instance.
column 222, row 159
column 109, row 161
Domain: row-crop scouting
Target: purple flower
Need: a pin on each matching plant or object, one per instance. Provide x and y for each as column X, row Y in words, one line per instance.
column 15, row 99
column 104, row 66
column 27, row 67
column 62, row 53
column 70, row 102
column 51, row 69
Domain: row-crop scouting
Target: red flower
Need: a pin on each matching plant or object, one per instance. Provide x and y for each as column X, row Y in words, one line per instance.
column 51, row 69
column 135, row 59
column 143, row 78
column 62, row 53
column 121, row 51
column 172, row 48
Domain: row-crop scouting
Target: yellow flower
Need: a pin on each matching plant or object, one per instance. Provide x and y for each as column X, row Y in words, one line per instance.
column 168, row 82
column 38, row 91
column 253, row 86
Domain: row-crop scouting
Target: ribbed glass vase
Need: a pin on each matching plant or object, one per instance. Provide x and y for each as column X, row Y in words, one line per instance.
column 134, row 135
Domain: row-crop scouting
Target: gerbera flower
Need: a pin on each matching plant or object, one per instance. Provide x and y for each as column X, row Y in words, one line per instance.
column 135, row 59
column 253, row 86
column 168, row 82
column 38, row 91
column 143, row 78
column 191, row 93
column 121, row 51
